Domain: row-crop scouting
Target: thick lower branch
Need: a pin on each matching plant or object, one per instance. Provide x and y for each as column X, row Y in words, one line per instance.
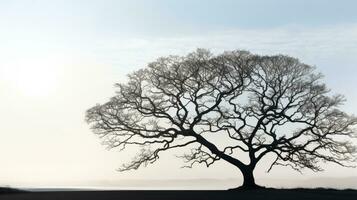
column 216, row 151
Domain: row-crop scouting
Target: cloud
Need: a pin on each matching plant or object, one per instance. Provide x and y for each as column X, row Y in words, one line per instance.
column 299, row 41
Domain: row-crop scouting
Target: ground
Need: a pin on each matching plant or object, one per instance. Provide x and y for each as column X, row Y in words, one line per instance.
column 265, row 194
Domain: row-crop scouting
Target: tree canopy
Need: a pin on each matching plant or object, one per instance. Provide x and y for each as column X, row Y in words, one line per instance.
column 224, row 106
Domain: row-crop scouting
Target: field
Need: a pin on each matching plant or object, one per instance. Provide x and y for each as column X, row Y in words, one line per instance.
column 275, row 194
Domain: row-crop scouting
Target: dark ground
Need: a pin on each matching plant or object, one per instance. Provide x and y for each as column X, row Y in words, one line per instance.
column 265, row 194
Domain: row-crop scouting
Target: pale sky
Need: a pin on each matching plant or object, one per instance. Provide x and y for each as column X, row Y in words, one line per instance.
column 59, row 58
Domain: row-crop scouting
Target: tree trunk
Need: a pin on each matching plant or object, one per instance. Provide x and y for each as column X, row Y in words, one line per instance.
column 248, row 178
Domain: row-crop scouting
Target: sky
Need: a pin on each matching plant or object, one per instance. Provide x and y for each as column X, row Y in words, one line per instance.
column 59, row 58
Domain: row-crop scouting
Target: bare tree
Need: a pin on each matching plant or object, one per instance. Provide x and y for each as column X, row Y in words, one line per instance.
column 224, row 107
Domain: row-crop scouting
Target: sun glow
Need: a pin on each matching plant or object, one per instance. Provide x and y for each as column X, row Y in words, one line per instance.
column 36, row 81
column 32, row 79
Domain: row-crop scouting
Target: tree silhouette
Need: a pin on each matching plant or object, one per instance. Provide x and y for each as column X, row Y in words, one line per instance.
column 226, row 107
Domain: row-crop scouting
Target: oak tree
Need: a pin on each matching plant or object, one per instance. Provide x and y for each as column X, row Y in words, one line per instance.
column 229, row 107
